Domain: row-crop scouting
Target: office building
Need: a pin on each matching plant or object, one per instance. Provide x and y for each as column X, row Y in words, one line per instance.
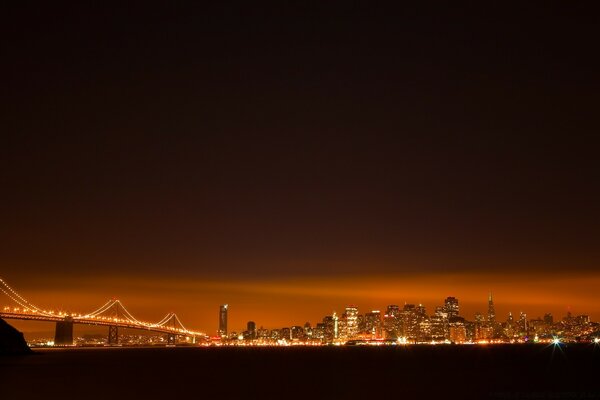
column 223, row 320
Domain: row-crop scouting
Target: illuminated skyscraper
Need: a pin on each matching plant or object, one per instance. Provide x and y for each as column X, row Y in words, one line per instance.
column 491, row 310
column 330, row 327
column 319, row 331
column 351, row 321
column 335, row 326
column 391, row 321
column 410, row 322
column 223, row 320
column 373, row 324
column 251, row 329
column 439, row 324
column 523, row 325
column 393, row 310
column 458, row 332
column 451, row 307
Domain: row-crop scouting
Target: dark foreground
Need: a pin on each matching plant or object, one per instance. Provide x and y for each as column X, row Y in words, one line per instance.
column 414, row 372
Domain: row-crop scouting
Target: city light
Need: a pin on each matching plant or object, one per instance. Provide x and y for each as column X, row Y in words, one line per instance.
column 407, row 325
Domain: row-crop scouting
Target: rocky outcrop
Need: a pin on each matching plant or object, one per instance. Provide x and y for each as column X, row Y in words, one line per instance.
column 11, row 340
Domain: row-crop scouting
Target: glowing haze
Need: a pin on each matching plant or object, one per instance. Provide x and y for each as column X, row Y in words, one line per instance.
column 286, row 302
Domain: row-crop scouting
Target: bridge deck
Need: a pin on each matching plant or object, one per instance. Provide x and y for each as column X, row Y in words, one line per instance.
column 99, row 322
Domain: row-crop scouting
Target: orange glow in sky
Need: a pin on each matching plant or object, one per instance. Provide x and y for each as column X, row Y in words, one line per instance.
column 286, row 302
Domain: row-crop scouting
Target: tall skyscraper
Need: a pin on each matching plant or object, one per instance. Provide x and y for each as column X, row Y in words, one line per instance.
column 330, row 326
column 223, row 320
column 523, row 325
column 410, row 322
column 491, row 310
column 451, row 307
column 351, row 321
column 393, row 310
column 335, row 326
column 251, row 329
column 373, row 324
column 439, row 324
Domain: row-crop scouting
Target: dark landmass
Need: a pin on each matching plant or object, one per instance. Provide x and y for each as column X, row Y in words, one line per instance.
column 357, row 372
column 11, row 340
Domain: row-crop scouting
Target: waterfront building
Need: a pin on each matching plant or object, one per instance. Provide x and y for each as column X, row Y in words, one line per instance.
column 223, row 320
column 458, row 332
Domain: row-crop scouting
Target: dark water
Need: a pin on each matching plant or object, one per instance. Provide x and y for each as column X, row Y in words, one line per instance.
column 413, row 372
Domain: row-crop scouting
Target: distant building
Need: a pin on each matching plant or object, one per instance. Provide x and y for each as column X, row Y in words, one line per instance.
column 491, row 310
column 484, row 332
column 318, row 332
column 410, row 322
column 297, row 333
column 458, row 333
column 391, row 322
column 351, row 318
column 262, row 333
column 275, row 334
column 421, row 311
column 392, row 310
column 523, row 325
column 251, row 328
column 451, row 307
column 286, row 333
column 329, row 328
column 479, row 318
column 424, row 330
column 223, row 320
column 308, row 330
column 373, row 324
column 336, row 328
column 439, row 325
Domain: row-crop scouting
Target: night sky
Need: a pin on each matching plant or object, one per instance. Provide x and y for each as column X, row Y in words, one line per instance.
column 290, row 160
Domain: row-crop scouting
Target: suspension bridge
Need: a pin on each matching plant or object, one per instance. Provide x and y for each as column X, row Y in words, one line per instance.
column 111, row 314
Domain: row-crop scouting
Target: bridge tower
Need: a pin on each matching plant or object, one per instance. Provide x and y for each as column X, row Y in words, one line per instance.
column 115, row 311
column 63, row 335
column 113, row 335
column 171, row 321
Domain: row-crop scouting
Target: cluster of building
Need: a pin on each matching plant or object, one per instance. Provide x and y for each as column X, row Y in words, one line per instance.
column 413, row 324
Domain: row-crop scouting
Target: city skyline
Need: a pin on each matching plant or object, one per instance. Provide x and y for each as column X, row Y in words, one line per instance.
column 406, row 324
column 269, row 317
column 450, row 307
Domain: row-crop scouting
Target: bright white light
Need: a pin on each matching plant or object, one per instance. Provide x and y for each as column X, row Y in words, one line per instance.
column 556, row 341
column 596, row 340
